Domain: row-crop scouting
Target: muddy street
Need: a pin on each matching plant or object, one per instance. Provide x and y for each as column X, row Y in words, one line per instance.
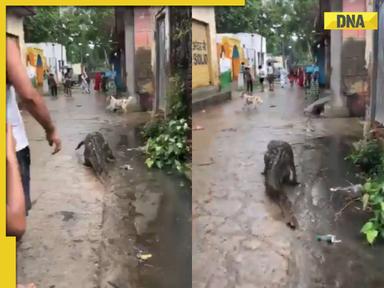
column 239, row 239
column 82, row 233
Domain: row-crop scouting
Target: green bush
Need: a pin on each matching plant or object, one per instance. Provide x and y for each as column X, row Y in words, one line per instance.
column 169, row 147
column 373, row 198
column 177, row 108
column 153, row 128
column 368, row 156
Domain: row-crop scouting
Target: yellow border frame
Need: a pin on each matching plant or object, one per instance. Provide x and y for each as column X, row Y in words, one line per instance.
column 8, row 244
column 370, row 19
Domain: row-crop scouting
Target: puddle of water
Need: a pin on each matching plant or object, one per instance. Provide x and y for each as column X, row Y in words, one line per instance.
column 161, row 219
column 351, row 263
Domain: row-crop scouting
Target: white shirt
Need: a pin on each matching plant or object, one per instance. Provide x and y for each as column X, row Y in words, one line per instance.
column 270, row 70
column 14, row 118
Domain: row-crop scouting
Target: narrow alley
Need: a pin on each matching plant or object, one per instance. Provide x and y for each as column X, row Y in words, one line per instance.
column 82, row 234
column 238, row 238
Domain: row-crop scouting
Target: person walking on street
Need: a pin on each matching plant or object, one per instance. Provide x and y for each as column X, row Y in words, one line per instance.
column 300, row 80
column 291, row 77
column 97, row 81
column 270, row 76
column 45, row 83
column 68, row 84
column 84, row 83
column 104, row 80
column 18, row 81
column 52, row 85
column 314, row 90
column 283, row 77
column 248, row 79
column 241, row 77
column 261, row 74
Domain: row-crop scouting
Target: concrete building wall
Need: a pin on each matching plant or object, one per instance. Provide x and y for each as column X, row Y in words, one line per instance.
column 144, row 49
column 349, row 55
column 205, row 70
column 369, row 34
column 160, row 56
column 257, row 43
column 336, row 47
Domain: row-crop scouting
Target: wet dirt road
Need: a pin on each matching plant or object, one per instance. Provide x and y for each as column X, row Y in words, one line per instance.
column 238, row 238
column 84, row 234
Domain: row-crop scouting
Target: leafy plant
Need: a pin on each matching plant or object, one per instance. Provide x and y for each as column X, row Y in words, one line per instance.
column 369, row 156
column 373, row 198
column 177, row 109
column 153, row 128
column 169, row 148
column 167, row 140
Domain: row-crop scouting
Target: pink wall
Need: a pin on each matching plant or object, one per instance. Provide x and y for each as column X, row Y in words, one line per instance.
column 143, row 29
column 354, row 6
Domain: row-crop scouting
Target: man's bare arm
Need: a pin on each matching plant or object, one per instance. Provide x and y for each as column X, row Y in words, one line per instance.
column 16, row 222
column 32, row 100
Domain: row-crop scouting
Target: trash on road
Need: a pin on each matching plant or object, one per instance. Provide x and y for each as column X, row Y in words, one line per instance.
column 140, row 148
column 143, row 257
column 272, row 106
column 353, row 189
column 126, row 167
column 329, row 238
column 229, row 130
column 198, row 128
column 210, row 162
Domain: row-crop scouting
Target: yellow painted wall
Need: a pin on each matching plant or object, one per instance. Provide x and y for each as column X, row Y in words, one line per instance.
column 204, row 75
column 200, row 55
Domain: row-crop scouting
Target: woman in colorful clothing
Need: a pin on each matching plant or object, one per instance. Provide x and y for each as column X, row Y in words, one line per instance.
column 291, row 77
column 300, row 80
column 97, row 81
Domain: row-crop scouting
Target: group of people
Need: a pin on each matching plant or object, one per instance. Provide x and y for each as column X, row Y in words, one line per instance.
column 67, row 83
column 248, row 77
column 102, row 79
column 308, row 78
column 18, row 201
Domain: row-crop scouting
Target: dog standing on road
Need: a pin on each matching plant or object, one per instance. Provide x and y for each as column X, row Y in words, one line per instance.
column 251, row 100
column 120, row 104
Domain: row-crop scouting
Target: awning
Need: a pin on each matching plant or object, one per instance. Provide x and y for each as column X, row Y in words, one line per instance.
column 21, row 11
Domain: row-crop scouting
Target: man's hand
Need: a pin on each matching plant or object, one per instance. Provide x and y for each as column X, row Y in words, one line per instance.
column 31, row 98
column 54, row 139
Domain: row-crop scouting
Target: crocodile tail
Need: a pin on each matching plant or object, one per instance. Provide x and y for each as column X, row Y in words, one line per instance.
column 288, row 212
column 80, row 144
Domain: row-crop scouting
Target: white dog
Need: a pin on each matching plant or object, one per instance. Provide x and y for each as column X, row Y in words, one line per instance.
column 120, row 104
column 251, row 100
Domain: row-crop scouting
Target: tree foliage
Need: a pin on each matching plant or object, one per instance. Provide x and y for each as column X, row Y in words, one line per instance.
column 288, row 26
column 86, row 32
